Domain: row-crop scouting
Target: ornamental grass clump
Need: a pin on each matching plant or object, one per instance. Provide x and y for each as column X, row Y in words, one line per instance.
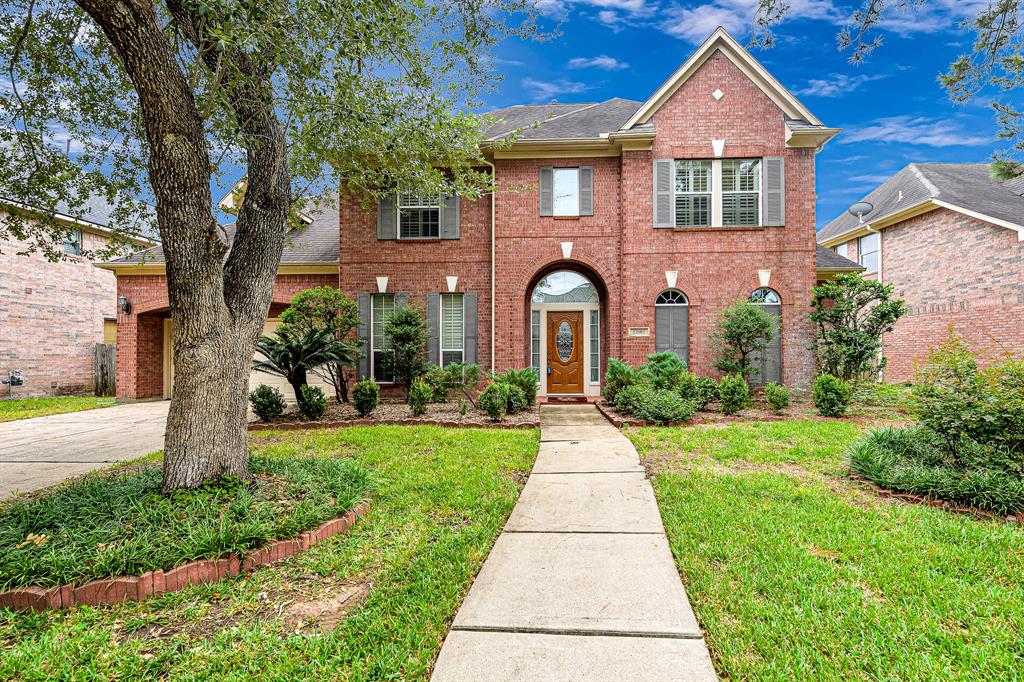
column 968, row 445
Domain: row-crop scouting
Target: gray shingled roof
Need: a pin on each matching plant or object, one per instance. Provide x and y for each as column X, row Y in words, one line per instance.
column 315, row 243
column 966, row 185
column 587, row 120
column 827, row 259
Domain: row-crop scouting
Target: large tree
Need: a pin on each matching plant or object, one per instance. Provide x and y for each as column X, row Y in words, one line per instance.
column 165, row 99
column 995, row 64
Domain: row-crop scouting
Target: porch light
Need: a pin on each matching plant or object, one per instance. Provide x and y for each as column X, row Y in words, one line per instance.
column 124, row 305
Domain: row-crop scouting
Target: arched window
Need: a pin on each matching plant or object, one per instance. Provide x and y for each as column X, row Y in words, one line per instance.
column 672, row 324
column 769, row 362
column 564, row 286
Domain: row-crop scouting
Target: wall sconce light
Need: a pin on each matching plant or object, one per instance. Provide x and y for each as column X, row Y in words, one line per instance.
column 124, row 305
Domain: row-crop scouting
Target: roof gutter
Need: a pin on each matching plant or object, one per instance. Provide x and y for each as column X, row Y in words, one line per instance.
column 885, row 221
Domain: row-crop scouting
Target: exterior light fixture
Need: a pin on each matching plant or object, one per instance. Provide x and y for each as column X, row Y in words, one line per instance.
column 124, row 305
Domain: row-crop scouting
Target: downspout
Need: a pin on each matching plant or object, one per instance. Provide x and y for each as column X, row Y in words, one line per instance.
column 494, row 179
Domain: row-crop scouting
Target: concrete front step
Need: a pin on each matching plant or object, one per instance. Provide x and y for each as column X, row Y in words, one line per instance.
column 527, row 657
column 596, row 434
column 566, row 457
column 579, row 583
column 586, row 503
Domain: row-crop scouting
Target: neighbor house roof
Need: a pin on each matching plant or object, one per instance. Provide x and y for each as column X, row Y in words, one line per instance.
column 828, row 261
column 314, row 244
column 968, row 188
column 98, row 214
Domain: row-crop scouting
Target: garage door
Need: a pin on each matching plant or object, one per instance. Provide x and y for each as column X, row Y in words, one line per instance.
column 255, row 378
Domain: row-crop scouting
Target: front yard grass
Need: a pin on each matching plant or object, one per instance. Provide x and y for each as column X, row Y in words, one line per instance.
column 25, row 408
column 441, row 497
column 797, row 572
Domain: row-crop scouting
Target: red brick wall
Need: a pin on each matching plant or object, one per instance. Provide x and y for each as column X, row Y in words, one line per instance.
column 953, row 270
column 51, row 318
column 140, row 333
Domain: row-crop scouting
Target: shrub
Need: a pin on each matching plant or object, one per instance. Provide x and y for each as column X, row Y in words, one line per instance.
column 619, row 376
column 744, row 329
column 663, row 370
column 267, row 402
column 313, row 402
column 515, row 399
column 440, row 383
column 699, row 390
column 777, row 396
column 915, row 460
column 663, row 406
column 329, row 309
column 463, row 407
column 628, row 399
column 525, row 379
column 734, row 393
column 365, row 396
column 453, row 378
column 419, row 395
column 293, row 352
column 406, row 331
column 831, row 396
column 492, row 401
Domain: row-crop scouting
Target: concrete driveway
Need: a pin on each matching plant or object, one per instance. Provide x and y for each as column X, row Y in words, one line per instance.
column 35, row 453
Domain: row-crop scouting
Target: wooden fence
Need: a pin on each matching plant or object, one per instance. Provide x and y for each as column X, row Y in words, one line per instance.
column 105, row 368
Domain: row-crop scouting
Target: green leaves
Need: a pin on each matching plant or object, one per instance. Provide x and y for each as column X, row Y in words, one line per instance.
column 744, row 329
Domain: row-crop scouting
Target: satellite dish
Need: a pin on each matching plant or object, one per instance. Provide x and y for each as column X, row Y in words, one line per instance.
column 861, row 209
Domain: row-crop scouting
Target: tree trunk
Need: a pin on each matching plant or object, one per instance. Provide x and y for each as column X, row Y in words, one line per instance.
column 218, row 306
column 297, row 381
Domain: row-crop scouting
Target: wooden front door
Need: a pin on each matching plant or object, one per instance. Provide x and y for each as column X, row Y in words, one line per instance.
column 565, row 352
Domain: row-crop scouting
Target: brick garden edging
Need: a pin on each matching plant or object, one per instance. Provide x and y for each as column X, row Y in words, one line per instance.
column 914, row 498
column 154, row 583
column 301, row 426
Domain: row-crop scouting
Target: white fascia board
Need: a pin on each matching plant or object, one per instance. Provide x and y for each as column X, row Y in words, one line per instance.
column 739, row 56
column 876, row 225
column 1019, row 229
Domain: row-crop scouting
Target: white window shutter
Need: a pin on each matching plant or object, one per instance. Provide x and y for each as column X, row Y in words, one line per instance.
column 664, row 193
column 774, row 194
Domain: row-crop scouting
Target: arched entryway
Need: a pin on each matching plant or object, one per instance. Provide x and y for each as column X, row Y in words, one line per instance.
column 566, row 322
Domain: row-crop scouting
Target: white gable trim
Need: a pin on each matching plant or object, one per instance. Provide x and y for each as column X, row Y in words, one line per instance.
column 1019, row 229
column 721, row 40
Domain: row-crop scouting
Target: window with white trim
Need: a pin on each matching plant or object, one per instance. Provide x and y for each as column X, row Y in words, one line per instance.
column 867, row 252
column 595, row 347
column 693, row 193
column 380, row 345
column 741, row 192
column 566, row 191
column 419, row 217
column 718, row 192
column 452, row 329
column 843, row 249
column 73, row 243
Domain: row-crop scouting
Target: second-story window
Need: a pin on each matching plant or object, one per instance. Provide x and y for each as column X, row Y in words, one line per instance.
column 566, row 197
column 693, row 193
column 419, row 217
column 741, row 192
column 73, row 243
column 867, row 252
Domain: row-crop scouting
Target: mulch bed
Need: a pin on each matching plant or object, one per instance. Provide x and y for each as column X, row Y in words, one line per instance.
column 758, row 412
column 395, row 412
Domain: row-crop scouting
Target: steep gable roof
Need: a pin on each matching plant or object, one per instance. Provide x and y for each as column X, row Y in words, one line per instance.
column 968, row 188
column 584, row 121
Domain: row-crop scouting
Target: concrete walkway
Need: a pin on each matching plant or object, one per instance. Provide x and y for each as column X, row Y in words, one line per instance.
column 581, row 584
column 42, row 451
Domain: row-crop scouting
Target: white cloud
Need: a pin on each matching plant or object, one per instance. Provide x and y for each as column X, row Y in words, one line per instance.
column 874, row 179
column 602, row 61
column 914, row 130
column 694, row 24
column 611, row 19
column 545, row 90
column 836, row 85
column 560, row 8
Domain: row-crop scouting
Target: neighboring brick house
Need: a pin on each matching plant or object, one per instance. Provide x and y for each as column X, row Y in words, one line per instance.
column 53, row 313
column 950, row 239
column 619, row 228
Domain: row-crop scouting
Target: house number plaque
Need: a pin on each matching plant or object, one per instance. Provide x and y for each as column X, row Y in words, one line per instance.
column 638, row 331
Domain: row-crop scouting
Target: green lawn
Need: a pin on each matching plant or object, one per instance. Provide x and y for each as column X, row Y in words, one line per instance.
column 440, row 498
column 796, row 572
column 24, row 408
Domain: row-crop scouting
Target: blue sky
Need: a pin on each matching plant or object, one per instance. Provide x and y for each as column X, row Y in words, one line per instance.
column 892, row 109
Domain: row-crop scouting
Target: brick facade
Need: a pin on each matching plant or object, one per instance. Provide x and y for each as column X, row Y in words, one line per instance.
column 952, row 270
column 51, row 318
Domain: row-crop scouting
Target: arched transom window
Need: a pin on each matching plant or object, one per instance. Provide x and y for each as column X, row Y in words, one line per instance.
column 672, row 323
column 765, row 296
column 564, row 286
column 671, row 297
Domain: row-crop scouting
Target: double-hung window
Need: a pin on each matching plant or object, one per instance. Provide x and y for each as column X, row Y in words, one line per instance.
column 566, row 191
column 452, row 329
column 741, row 192
column 867, row 252
column 693, row 193
column 419, row 217
column 380, row 345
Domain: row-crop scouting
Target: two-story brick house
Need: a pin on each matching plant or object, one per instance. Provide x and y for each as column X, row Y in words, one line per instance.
column 618, row 228
column 950, row 239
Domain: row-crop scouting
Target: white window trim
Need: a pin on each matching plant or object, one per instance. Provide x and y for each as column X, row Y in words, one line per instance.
column 554, row 203
column 717, row 193
column 590, row 342
column 877, row 252
column 373, row 350
column 398, row 216
column 462, row 336
column 710, row 194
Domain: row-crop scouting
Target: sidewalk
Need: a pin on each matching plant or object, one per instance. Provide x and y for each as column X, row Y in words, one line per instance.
column 581, row 584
